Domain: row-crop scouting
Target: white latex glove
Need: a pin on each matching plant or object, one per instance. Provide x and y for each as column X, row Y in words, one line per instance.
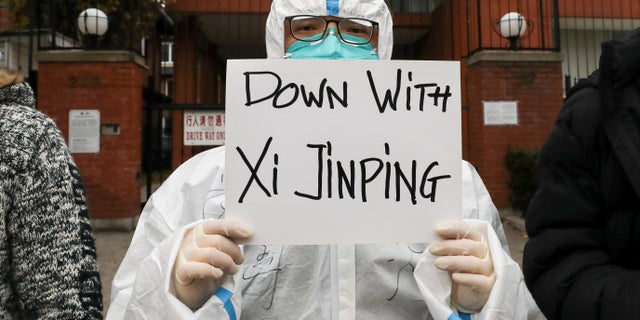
column 464, row 253
column 207, row 255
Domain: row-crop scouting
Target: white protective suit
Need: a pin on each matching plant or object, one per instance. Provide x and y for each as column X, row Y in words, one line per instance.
column 394, row 281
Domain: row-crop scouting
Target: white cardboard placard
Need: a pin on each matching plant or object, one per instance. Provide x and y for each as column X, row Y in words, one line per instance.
column 321, row 152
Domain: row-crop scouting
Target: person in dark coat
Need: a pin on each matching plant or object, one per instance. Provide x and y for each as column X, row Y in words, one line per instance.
column 583, row 257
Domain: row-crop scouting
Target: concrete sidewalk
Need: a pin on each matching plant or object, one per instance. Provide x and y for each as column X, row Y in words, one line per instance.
column 112, row 244
column 516, row 234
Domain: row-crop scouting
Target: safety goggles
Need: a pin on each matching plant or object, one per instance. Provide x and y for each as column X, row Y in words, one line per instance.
column 309, row 28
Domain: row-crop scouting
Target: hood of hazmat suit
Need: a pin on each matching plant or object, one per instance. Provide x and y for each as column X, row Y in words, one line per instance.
column 375, row 10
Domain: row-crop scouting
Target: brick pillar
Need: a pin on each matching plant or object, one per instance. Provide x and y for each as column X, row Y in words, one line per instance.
column 111, row 82
column 534, row 81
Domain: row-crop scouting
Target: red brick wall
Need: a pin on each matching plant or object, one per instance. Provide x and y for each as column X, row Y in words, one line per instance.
column 5, row 18
column 114, row 88
column 537, row 87
column 220, row 6
column 608, row 9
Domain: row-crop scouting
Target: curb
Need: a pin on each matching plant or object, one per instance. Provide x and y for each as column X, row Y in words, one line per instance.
column 515, row 221
column 513, row 218
column 114, row 224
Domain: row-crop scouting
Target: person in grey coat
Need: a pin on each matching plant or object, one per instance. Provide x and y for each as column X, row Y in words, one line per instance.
column 47, row 252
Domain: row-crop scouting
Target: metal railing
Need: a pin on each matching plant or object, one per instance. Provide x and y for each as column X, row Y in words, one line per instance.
column 576, row 28
column 126, row 28
column 584, row 25
column 540, row 25
column 413, row 6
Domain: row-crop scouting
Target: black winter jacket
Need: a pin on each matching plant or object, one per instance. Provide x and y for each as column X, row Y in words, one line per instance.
column 583, row 257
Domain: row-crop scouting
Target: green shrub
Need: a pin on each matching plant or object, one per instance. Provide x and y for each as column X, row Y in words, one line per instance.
column 523, row 181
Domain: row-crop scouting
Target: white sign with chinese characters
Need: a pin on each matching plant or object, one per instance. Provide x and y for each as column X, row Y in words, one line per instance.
column 204, row 128
column 344, row 152
column 84, row 131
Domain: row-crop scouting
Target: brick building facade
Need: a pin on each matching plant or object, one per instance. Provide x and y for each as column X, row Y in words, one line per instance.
column 207, row 33
column 531, row 77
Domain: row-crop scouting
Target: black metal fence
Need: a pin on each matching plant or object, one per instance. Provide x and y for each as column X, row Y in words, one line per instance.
column 576, row 28
column 157, row 138
column 585, row 25
column 413, row 6
column 536, row 22
column 54, row 24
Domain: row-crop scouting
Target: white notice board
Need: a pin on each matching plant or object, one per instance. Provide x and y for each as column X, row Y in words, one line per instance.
column 344, row 151
column 500, row 113
column 84, row 131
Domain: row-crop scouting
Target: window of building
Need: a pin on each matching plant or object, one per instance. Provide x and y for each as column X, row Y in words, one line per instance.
column 167, row 54
column 167, row 87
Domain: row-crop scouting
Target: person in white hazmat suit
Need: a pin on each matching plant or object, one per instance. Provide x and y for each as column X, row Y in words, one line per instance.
column 184, row 262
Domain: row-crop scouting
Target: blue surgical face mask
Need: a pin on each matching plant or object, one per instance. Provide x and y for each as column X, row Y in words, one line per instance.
column 331, row 48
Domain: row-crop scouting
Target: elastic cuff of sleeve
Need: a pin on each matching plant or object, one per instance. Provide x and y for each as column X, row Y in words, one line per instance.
column 460, row 316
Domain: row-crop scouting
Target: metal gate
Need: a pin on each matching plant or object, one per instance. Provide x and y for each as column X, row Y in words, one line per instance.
column 157, row 142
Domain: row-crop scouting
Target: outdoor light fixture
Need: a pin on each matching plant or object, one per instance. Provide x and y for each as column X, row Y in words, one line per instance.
column 512, row 26
column 92, row 23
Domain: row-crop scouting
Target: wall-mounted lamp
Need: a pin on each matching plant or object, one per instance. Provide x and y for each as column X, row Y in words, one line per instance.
column 512, row 27
column 92, row 23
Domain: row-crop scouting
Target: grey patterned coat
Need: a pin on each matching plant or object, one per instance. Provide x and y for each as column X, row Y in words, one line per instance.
column 47, row 253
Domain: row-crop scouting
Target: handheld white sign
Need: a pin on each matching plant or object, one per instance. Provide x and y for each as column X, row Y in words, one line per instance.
column 321, row 152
